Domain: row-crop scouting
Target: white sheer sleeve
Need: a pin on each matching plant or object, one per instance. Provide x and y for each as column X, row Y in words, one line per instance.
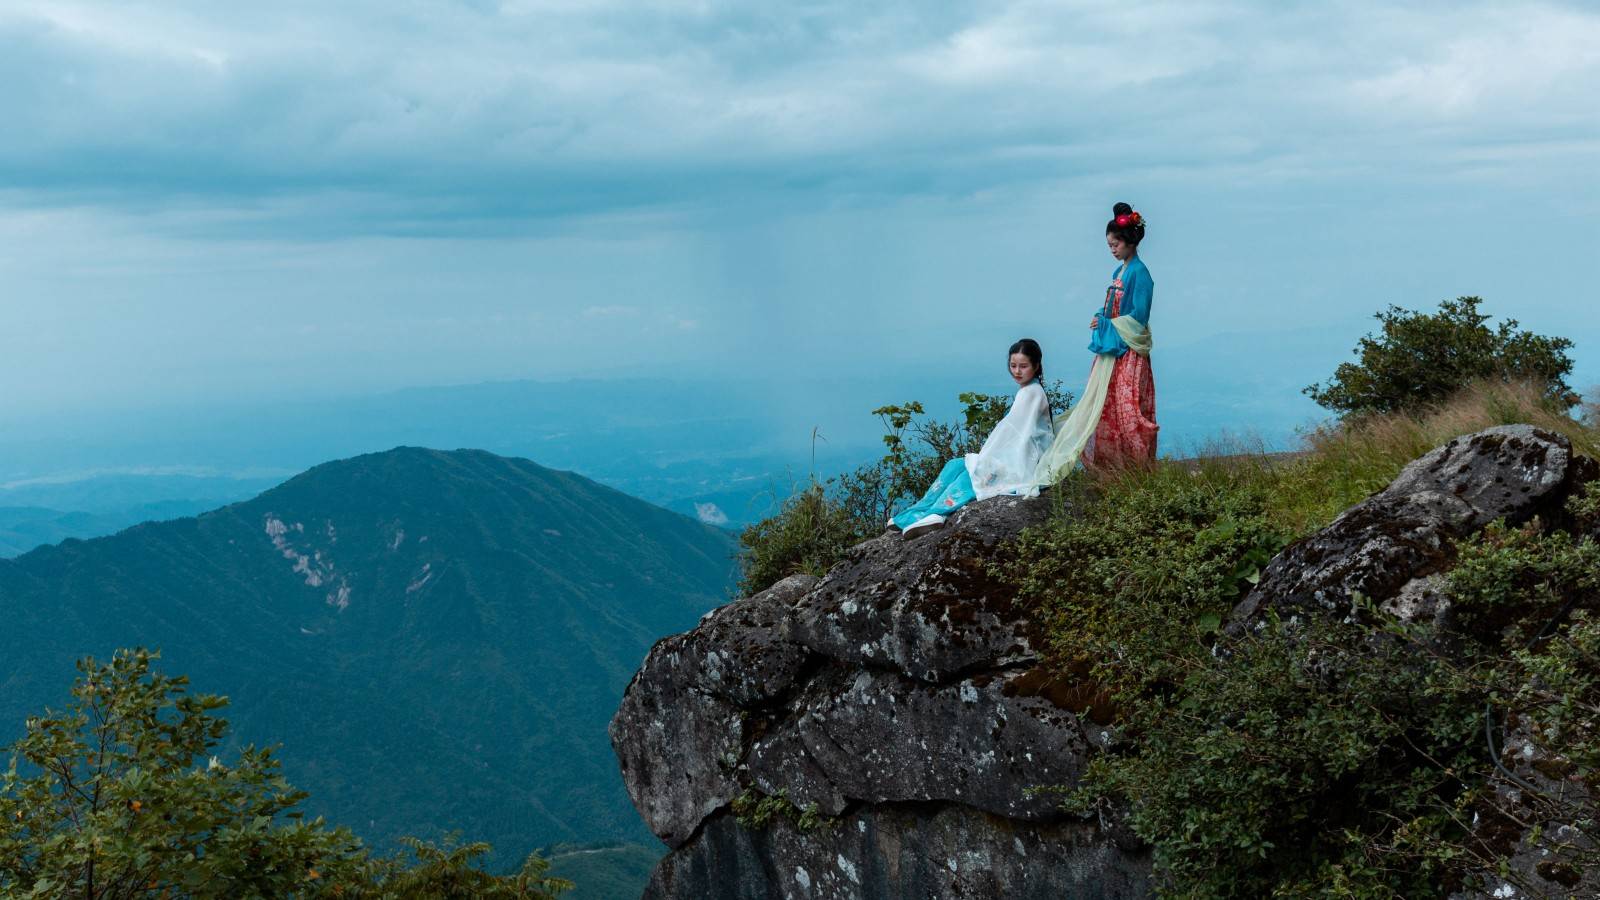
column 1007, row 461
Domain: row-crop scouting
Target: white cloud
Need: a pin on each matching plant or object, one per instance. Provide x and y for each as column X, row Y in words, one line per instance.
column 186, row 182
column 1529, row 58
column 711, row 514
column 445, row 115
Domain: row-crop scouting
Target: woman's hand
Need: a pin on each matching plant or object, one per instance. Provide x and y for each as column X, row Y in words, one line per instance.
column 1094, row 323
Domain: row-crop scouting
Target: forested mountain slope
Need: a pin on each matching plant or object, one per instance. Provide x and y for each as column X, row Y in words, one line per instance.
column 437, row 639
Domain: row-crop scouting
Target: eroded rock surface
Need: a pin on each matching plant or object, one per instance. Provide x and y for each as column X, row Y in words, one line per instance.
column 680, row 733
column 1405, row 532
column 926, row 606
column 881, row 737
column 913, row 852
column 1540, row 833
column 892, row 702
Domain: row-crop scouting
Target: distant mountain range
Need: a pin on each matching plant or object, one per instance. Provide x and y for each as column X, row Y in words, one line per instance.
column 716, row 450
column 437, row 639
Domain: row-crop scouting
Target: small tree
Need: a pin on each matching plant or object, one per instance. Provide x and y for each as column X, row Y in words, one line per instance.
column 120, row 796
column 1423, row 358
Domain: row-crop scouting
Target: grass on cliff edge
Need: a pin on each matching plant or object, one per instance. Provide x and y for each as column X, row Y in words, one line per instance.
column 1311, row 759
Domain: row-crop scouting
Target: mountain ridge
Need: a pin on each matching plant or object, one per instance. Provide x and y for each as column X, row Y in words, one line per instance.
column 436, row 637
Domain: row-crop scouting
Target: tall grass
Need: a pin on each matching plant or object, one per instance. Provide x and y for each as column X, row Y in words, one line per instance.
column 1344, row 463
column 1339, row 464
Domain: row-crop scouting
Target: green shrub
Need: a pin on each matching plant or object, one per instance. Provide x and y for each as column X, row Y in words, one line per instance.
column 1505, row 576
column 1145, row 567
column 814, row 527
column 1306, row 755
column 1423, row 358
column 1312, row 758
column 808, row 534
column 448, row 870
column 119, row 796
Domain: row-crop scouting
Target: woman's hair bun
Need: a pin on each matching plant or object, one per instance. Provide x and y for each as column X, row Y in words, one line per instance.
column 1126, row 224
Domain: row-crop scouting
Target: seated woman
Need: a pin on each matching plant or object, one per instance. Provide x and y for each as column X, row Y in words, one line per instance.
column 1006, row 463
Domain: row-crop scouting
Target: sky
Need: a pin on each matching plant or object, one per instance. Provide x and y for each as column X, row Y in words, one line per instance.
column 206, row 203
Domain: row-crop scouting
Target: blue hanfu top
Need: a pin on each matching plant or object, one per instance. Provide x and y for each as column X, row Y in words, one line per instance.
column 1128, row 295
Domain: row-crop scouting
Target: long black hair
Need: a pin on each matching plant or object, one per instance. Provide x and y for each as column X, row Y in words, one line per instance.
column 1030, row 348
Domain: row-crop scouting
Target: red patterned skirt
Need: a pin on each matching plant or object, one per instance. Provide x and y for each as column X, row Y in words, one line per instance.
column 1127, row 430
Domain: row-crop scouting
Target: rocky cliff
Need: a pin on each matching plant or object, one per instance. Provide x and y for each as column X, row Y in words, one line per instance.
column 884, row 732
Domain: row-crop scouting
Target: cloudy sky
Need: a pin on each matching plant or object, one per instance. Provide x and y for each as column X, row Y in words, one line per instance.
column 226, row 202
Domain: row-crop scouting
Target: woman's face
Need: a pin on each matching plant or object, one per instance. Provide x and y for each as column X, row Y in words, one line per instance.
column 1022, row 369
column 1121, row 249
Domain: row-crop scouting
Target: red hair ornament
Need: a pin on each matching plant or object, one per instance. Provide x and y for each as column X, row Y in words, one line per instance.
column 1124, row 221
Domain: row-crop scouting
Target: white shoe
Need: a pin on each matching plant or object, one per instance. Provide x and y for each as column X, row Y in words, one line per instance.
column 924, row 524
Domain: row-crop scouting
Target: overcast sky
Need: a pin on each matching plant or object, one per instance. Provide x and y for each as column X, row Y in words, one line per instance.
column 232, row 201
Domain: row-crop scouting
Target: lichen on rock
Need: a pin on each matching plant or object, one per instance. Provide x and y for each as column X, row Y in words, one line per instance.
column 903, row 700
column 885, row 698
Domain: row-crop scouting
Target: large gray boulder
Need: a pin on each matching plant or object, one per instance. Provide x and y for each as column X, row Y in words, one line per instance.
column 898, row 701
column 883, row 737
column 927, row 606
column 1386, row 546
column 680, row 733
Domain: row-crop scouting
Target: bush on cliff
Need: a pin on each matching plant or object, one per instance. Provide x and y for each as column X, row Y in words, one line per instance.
column 119, row 795
column 810, row 531
column 1311, row 758
column 1423, row 358
column 815, row 526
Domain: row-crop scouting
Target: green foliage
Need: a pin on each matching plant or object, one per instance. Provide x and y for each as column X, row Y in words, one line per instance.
column 447, row 870
column 1424, row 358
column 1558, row 695
column 808, row 534
column 1312, row 758
column 756, row 810
column 1505, row 575
column 478, row 740
column 105, row 799
column 1307, row 755
column 119, row 795
column 814, row 527
column 1138, row 575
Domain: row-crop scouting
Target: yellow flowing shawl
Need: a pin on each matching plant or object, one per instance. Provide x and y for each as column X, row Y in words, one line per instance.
column 1073, row 434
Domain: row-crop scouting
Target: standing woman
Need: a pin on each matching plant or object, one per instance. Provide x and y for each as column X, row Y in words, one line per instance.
column 1115, row 422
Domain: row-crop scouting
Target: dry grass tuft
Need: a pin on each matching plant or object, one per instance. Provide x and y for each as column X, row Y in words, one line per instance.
column 1342, row 463
column 1347, row 461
